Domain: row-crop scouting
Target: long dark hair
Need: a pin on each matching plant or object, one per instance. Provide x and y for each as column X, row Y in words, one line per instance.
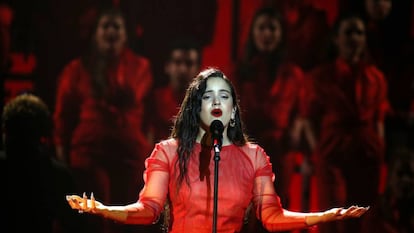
column 97, row 64
column 187, row 122
column 251, row 51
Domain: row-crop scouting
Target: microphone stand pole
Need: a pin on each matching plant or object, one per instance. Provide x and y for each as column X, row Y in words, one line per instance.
column 216, row 175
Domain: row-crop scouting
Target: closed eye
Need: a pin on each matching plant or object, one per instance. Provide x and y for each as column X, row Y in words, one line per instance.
column 224, row 96
column 206, row 97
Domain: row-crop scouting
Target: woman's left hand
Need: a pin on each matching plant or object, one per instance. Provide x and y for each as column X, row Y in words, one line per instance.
column 343, row 213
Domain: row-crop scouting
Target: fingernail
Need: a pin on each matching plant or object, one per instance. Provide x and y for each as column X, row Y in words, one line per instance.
column 92, row 197
column 67, row 197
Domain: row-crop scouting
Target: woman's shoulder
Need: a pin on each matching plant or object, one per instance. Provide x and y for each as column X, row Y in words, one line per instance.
column 165, row 150
column 256, row 154
column 169, row 145
column 252, row 149
column 168, row 142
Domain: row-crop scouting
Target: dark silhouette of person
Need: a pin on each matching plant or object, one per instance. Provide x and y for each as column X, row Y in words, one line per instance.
column 29, row 169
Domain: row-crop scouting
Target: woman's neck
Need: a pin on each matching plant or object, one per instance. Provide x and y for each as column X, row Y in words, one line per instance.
column 205, row 138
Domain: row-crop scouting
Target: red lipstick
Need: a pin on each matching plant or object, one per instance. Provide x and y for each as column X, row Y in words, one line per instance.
column 217, row 112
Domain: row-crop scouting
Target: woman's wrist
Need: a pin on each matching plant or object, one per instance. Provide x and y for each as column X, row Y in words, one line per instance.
column 314, row 219
column 113, row 213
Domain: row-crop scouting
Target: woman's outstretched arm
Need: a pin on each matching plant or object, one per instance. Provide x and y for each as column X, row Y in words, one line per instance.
column 151, row 198
column 275, row 218
column 141, row 215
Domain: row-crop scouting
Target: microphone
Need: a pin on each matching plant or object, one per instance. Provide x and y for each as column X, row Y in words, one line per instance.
column 216, row 130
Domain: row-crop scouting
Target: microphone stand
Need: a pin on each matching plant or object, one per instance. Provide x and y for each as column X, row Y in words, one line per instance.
column 216, row 129
column 216, row 175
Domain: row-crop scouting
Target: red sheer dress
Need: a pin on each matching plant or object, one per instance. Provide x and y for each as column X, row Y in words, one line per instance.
column 245, row 175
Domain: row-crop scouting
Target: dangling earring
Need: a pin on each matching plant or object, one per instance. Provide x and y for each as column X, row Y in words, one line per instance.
column 232, row 122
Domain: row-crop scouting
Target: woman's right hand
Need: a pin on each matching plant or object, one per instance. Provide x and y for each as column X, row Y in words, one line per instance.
column 92, row 206
column 83, row 204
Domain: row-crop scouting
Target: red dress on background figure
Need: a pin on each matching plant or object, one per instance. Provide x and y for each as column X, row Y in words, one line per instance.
column 270, row 101
column 347, row 104
column 107, row 147
column 285, row 97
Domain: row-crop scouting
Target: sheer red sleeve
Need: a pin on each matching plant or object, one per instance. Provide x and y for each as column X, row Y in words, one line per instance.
column 153, row 195
column 267, row 203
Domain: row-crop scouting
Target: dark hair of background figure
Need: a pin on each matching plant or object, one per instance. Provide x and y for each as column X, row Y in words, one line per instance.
column 250, row 48
column 331, row 49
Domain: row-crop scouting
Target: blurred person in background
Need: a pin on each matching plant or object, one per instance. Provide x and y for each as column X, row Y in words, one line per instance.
column 390, row 48
column 99, row 112
column 345, row 105
column 181, row 66
column 307, row 31
column 271, row 86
